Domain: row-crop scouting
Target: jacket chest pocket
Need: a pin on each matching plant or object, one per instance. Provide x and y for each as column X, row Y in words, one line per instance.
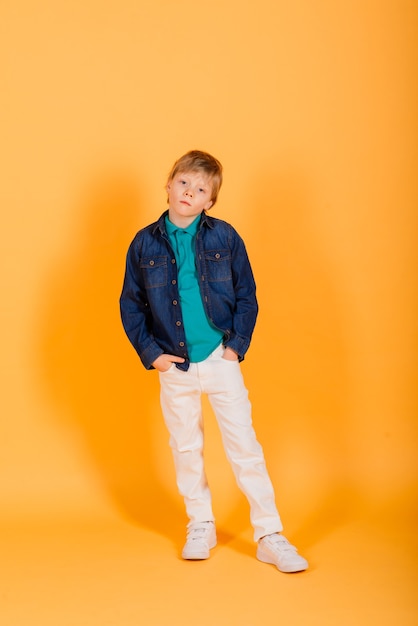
column 218, row 263
column 154, row 271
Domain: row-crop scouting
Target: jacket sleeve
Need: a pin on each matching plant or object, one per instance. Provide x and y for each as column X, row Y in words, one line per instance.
column 134, row 309
column 246, row 306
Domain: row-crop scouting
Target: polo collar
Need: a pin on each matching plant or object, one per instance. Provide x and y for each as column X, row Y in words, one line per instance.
column 161, row 223
column 190, row 230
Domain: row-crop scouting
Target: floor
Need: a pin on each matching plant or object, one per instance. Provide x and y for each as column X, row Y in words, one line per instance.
column 104, row 568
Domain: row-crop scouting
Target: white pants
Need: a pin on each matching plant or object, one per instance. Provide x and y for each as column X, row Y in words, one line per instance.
column 223, row 383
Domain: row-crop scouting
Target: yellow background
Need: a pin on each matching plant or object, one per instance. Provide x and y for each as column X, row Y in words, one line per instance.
column 311, row 108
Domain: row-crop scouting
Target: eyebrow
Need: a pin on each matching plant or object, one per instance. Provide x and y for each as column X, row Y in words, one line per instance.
column 205, row 184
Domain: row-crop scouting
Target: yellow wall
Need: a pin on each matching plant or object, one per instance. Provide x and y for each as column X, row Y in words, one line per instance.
column 310, row 105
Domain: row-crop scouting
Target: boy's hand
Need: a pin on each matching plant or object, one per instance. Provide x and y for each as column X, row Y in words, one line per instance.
column 230, row 355
column 164, row 361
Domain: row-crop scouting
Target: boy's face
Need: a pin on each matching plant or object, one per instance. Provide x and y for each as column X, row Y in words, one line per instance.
column 189, row 193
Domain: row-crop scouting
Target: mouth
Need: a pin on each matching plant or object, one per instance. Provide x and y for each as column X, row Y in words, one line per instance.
column 185, row 202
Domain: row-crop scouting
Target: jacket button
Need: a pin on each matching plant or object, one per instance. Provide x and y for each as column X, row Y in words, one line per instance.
column 152, row 262
column 217, row 255
column 173, row 261
column 173, row 282
column 174, row 302
column 178, row 323
column 181, row 344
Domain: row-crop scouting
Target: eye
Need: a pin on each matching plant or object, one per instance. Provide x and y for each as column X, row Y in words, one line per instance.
column 202, row 190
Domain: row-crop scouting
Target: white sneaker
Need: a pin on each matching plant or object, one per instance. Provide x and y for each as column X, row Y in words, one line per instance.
column 278, row 551
column 201, row 537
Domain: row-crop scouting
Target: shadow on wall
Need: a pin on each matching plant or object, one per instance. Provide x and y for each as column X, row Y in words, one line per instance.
column 93, row 374
column 301, row 399
column 90, row 370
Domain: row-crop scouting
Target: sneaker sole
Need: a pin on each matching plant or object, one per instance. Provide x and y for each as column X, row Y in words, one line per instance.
column 286, row 569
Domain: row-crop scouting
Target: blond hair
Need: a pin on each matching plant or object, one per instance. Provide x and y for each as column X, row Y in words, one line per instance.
column 203, row 162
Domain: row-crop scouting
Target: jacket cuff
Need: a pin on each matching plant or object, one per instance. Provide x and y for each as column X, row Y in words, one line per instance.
column 148, row 356
column 238, row 345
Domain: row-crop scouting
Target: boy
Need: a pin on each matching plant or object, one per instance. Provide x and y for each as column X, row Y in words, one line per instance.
column 188, row 306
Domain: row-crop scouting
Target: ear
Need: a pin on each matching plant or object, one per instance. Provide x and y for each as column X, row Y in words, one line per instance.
column 209, row 205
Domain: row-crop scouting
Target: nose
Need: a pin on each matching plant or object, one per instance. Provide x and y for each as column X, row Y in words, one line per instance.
column 188, row 192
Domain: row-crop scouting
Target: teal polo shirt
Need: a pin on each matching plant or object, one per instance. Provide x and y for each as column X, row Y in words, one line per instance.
column 201, row 336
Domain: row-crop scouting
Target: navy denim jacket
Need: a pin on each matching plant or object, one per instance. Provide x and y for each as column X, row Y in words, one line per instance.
column 150, row 302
